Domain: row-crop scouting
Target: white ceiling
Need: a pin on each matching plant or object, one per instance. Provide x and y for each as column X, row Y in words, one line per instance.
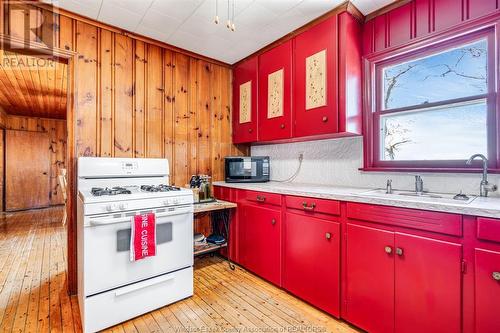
column 188, row 24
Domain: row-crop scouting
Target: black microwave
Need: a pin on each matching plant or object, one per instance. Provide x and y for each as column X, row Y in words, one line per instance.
column 252, row 169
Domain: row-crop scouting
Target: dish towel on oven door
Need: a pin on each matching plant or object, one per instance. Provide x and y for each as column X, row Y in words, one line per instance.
column 143, row 236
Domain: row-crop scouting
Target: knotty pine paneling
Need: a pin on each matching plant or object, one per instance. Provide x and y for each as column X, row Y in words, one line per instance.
column 86, row 84
column 106, row 60
column 156, row 69
column 136, row 99
column 57, row 135
column 123, row 96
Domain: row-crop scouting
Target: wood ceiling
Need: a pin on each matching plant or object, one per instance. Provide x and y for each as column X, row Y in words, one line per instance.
column 33, row 86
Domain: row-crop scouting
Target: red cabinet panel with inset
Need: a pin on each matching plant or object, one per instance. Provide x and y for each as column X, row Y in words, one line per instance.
column 479, row 8
column 245, row 101
column 487, row 287
column 260, row 241
column 275, row 79
column 447, row 13
column 428, row 285
column 311, row 261
column 400, row 31
column 370, row 278
column 315, row 80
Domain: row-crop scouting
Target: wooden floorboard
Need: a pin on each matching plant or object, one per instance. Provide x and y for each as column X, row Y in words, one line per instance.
column 33, row 287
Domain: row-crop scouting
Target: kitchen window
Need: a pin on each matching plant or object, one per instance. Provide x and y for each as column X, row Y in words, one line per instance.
column 434, row 107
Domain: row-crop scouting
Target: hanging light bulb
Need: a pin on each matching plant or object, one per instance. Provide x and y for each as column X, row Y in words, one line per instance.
column 233, row 27
column 216, row 19
column 228, row 23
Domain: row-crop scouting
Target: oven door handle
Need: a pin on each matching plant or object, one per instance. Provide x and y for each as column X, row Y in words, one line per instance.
column 96, row 222
column 143, row 284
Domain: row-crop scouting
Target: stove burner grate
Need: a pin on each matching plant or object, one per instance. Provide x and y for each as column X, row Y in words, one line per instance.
column 159, row 188
column 99, row 191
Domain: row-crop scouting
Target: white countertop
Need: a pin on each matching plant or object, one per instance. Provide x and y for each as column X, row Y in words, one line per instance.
column 487, row 207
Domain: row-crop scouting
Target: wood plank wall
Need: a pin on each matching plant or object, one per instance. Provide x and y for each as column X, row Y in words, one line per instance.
column 57, row 149
column 138, row 99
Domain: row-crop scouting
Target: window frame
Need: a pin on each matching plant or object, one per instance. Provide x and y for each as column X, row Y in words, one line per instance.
column 374, row 89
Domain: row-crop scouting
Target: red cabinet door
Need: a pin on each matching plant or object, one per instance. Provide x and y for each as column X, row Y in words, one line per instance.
column 487, row 286
column 311, row 261
column 428, row 285
column 370, row 278
column 315, row 80
column 260, row 241
column 275, row 78
column 245, row 101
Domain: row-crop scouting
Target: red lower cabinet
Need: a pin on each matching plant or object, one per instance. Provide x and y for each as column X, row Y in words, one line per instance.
column 487, row 288
column 260, row 241
column 370, row 278
column 428, row 284
column 311, row 260
column 402, row 283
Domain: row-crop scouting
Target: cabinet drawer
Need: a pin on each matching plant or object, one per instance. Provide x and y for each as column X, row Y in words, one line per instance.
column 313, row 205
column 488, row 229
column 263, row 197
column 444, row 223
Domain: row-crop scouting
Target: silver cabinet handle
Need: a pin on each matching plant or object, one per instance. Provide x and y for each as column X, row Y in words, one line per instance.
column 308, row 207
column 328, row 235
column 496, row 276
column 399, row 251
column 388, row 249
column 273, row 221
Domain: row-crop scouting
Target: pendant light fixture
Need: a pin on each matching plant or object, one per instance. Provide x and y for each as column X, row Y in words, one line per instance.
column 230, row 14
column 216, row 19
column 228, row 22
column 233, row 27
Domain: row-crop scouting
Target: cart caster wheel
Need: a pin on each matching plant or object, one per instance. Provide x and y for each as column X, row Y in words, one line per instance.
column 232, row 267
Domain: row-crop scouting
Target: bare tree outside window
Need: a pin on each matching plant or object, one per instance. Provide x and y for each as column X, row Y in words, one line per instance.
column 455, row 73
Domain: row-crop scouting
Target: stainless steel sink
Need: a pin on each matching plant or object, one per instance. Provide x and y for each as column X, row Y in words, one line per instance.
column 424, row 197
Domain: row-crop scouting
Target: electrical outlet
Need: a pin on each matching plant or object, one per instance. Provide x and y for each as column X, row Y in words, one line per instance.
column 301, row 156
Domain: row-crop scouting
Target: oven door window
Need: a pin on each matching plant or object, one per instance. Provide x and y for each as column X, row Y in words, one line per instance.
column 163, row 235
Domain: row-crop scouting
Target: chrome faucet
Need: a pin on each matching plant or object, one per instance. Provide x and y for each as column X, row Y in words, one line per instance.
column 419, row 185
column 484, row 187
column 388, row 187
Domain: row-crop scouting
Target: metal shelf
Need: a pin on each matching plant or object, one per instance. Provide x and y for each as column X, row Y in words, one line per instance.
column 208, row 248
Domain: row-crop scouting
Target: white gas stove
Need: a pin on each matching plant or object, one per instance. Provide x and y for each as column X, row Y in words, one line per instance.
column 111, row 288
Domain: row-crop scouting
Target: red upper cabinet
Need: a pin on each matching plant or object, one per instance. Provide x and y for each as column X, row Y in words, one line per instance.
column 275, row 78
column 316, row 85
column 315, row 80
column 245, row 85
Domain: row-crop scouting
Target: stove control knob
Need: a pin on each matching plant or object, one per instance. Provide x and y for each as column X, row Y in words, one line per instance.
column 123, row 206
column 109, row 208
column 176, row 201
column 166, row 202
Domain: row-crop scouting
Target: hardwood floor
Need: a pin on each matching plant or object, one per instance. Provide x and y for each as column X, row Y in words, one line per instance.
column 33, row 294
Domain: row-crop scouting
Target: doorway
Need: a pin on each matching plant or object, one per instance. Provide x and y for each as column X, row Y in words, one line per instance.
column 33, row 113
column 58, row 123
